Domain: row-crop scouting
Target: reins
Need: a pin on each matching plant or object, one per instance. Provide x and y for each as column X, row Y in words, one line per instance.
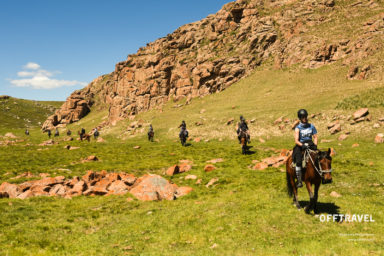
column 320, row 171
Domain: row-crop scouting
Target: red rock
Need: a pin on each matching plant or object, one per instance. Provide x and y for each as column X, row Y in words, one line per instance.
column 355, row 145
column 379, row 138
column 230, row 121
column 57, row 190
column 217, row 160
column 118, row 187
column 182, row 191
column 278, row 120
column 130, row 199
column 335, row 194
column 197, row 140
column 335, row 129
column 184, row 167
column 260, row 166
column 92, row 158
column 343, row 137
column 360, row 113
column 209, row 168
column 26, row 194
column 11, row 189
column 10, row 135
column 89, row 176
column 172, row 170
column 211, row 182
column 128, row 179
column 261, row 140
column 153, row 187
column 78, row 188
column 100, row 140
column 136, row 147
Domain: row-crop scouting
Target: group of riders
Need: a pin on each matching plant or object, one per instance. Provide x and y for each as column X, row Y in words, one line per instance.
column 305, row 138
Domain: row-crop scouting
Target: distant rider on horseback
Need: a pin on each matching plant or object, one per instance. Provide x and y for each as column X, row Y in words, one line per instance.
column 304, row 132
column 183, row 129
column 243, row 127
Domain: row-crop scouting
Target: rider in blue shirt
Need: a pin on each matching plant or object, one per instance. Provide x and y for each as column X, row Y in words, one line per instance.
column 304, row 133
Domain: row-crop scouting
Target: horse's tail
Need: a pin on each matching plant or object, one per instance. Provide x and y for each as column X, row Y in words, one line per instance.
column 289, row 184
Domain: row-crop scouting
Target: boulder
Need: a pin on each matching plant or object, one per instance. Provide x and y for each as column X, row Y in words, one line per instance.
column 379, row 138
column 154, row 187
column 10, row 135
column 173, row 170
column 118, row 187
column 182, row 191
column 260, row 166
column 335, row 129
column 360, row 113
column 11, row 189
column 184, row 167
column 128, row 179
column 230, row 121
column 209, row 168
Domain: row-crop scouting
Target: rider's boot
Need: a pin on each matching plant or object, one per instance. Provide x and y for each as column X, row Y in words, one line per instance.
column 298, row 174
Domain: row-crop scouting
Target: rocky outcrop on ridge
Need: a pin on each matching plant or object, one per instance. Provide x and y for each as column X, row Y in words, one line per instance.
column 209, row 55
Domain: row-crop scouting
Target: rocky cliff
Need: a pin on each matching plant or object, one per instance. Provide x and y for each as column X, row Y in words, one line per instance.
column 209, row 55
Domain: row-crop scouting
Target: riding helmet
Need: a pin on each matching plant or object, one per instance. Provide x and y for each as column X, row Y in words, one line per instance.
column 302, row 113
column 241, row 118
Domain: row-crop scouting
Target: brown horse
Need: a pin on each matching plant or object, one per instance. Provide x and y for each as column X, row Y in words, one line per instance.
column 243, row 142
column 84, row 136
column 318, row 170
column 151, row 134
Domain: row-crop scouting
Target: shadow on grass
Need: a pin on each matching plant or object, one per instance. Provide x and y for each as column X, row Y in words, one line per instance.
column 248, row 151
column 329, row 208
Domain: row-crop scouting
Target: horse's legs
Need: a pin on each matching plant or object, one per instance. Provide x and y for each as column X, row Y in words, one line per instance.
column 317, row 186
column 295, row 196
column 311, row 198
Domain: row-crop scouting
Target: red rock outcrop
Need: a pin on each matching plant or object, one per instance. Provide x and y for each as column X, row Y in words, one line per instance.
column 209, row 55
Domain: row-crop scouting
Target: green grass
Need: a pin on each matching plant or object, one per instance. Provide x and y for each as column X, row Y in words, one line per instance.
column 247, row 213
column 19, row 113
column 371, row 98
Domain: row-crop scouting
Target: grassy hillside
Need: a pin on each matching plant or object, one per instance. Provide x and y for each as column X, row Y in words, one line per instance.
column 246, row 213
column 19, row 113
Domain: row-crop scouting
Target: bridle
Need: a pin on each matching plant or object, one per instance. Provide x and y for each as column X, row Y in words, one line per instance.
column 319, row 170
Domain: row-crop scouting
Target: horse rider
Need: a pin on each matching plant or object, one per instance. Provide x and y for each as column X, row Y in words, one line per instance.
column 304, row 132
column 243, row 127
column 150, row 131
column 96, row 133
column 26, row 132
column 49, row 133
column 82, row 133
column 183, row 129
column 56, row 132
column 69, row 132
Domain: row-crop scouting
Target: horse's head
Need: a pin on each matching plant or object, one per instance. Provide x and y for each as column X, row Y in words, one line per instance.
column 325, row 161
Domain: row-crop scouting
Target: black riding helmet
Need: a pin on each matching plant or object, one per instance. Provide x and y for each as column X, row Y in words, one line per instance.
column 241, row 118
column 302, row 113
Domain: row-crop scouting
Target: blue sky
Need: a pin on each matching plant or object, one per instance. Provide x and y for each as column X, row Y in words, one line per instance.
column 50, row 48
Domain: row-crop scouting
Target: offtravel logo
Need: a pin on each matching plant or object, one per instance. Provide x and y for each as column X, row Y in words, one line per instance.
column 346, row 218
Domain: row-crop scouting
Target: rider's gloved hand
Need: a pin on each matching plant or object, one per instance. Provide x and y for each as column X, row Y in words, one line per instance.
column 314, row 147
column 305, row 146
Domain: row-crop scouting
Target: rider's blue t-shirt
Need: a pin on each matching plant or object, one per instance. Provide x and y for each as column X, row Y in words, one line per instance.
column 306, row 131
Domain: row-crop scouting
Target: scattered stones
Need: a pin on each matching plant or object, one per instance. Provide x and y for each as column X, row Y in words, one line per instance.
column 23, row 175
column 198, row 123
column 48, row 143
column 335, row 194
column 90, row 159
column 182, row 191
column 197, row 140
column 153, row 187
column 261, row 140
column 278, row 120
column 209, row 168
column 136, row 147
column 326, row 141
column 198, row 182
column 252, row 121
column 202, row 111
column 260, row 166
column 379, row 138
column 100, row 140
column 355, row 145
column 10, row 135
column 376, row 125
column 211, row 182
column 175, row 169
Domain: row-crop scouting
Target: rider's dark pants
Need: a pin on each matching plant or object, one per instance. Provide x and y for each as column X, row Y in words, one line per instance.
column 297, row 154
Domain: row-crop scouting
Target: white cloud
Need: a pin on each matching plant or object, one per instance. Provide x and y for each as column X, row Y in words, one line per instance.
column 41, row 79
column 32, row 65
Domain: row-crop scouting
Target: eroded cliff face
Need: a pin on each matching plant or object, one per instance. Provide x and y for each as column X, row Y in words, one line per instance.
column 209, row 55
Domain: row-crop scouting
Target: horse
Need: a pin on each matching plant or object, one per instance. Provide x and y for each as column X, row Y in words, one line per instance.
column 183, row 137
column 243, row 141
column 84, row 136
column 318, row 170
column 151, row 134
